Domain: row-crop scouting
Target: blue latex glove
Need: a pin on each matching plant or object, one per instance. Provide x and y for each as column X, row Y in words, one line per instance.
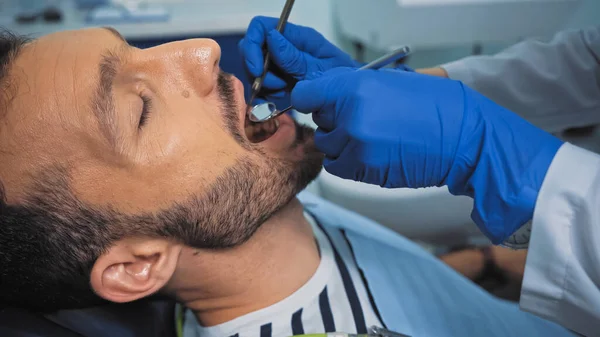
column 299, row 52
column 404, row 129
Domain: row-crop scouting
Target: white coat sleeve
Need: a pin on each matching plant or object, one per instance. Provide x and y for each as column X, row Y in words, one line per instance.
column 562, row 272
column 554, row 85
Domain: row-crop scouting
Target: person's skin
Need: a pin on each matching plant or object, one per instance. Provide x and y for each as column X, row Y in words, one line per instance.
column 470, row 262
column 512, row 262
column 436, row 71
column 181, row 148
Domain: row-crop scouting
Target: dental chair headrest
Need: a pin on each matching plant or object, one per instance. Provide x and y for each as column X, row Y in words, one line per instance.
column 151, row 318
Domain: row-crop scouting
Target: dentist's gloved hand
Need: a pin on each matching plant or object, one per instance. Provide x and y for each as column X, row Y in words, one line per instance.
column 404, row 129
column 298, row 53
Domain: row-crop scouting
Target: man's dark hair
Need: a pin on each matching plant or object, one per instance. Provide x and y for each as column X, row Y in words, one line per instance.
column 50, row 240
column 31, row 232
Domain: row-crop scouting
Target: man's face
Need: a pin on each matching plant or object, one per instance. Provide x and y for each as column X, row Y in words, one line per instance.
column 143, row 130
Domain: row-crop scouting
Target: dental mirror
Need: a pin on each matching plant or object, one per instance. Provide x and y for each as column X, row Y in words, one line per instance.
column 264, row 111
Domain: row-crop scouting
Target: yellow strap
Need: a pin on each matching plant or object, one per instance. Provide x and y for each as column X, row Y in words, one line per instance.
column 179, row 316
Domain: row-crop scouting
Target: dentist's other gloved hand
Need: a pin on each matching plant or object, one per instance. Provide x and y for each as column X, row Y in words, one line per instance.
column 299, row 52
column 404, row 129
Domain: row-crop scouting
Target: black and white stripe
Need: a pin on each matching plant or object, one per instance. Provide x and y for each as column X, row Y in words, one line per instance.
column 355, row 306
column 341, row 305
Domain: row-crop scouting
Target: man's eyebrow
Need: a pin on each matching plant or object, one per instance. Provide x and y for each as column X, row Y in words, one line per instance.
column 115, row 33
column 102, row 100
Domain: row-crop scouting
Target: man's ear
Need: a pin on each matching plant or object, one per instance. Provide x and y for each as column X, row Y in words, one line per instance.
column 134, row 268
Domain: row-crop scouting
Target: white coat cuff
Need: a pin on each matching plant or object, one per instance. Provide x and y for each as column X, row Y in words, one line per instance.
column 564, row 188
column 459, row 70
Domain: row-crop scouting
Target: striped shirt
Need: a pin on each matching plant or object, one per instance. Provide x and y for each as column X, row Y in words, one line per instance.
column 334, row 299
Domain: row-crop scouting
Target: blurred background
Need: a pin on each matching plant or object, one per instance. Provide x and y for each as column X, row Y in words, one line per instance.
column 438, row 31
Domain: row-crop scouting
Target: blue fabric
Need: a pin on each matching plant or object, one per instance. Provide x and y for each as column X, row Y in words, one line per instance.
column 418, row 295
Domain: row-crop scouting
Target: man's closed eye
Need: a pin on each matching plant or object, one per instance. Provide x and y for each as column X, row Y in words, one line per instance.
column 146, row 110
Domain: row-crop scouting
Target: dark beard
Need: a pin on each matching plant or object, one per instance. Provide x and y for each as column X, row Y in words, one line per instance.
column 238, row 203
column 247, row 193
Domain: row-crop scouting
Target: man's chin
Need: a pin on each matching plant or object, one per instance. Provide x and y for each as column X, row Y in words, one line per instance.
column 250, row 192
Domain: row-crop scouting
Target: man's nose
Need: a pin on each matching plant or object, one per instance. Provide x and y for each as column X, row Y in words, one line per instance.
column 196, row 61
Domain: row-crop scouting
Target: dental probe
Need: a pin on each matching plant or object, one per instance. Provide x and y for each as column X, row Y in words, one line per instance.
column 263, row 112
column 258, row 82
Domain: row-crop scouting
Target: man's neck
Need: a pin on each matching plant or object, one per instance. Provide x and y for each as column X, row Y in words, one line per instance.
column 279, row 259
